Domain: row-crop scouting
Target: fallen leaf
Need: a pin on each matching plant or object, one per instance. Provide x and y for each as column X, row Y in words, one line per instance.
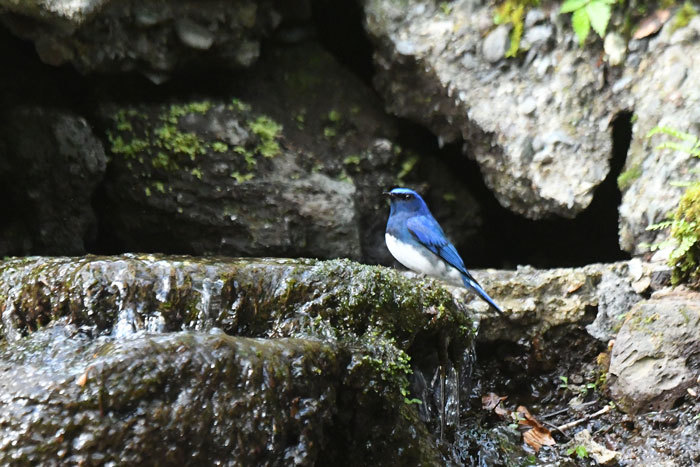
column 537, row 436
column 82, row 379
column 491, row 400
column 651, row 24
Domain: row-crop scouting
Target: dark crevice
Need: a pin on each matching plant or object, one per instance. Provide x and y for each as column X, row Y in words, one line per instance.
column 339, row 28
column 509, row 239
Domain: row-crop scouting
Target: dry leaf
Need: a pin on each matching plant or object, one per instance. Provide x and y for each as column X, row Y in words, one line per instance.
column 491, row 400
column 651, row 24
column 82, row 379
column 537, row 436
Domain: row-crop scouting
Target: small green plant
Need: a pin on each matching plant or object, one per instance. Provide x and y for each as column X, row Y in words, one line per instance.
column 586, row 14
column 268, row 131
column 564, row 382
column 683, row 16
column 684, row 222
column 580, row 451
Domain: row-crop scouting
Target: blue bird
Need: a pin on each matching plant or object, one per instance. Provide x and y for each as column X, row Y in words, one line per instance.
column 417, row 241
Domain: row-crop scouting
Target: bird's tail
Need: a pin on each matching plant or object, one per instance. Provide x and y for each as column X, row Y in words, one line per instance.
column 476, row 288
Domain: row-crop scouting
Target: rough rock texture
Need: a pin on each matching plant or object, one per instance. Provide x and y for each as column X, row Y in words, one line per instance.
column 539, row 300
column 619, row 290
column 151, row 37
column 663, row 89
column 538, row 127
column 656, row 355
column 287, row 167
column 50, row 165
column 134, row 349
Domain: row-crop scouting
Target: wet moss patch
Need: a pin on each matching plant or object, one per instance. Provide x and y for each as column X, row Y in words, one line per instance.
column 165, row 321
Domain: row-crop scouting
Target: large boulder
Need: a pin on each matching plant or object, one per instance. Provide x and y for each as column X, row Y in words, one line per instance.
column 153, row 38
column 657, row 352
column 50, row 165
column 209, row 360
column 663, row 90
column 538, row 127
column 286, row 166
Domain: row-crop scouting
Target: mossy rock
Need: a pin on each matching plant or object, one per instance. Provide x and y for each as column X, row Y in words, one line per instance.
column 317, row 371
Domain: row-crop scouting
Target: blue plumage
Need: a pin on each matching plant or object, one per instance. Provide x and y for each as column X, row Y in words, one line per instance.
column 417, row 241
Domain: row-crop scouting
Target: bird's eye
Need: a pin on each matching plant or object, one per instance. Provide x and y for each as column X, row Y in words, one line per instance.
column 406, row 196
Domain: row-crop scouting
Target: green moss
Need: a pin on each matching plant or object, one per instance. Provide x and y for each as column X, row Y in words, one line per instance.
column 300, row 118
column 239, row 106
column 162, row 161
column 334, row 116
column 196, row 173
column 685, row 258
column 267, row 131
column 171, row 138
column 513, row 12
column 129, row 149
column 329, row 132
column 249, row 156
column 240, row 178
column 683, row 16
column 352, row 159
column 625, row 179
column 406, row 167
column 218, row 146
column 180, row 110
column 159, row 186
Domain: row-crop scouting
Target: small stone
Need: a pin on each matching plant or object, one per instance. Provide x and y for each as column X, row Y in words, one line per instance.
column 537, row 36
column 533, row 17
column 247, row 53
column 528, row 106
column 597, row 451
column 496, row 44
column 194, row 35
column 405, row 47
column 615, row 48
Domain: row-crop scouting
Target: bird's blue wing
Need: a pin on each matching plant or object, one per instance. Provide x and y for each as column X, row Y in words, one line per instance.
column 429, row 233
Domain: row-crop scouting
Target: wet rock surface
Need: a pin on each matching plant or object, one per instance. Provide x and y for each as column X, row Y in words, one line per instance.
column 47, row 181
column 538, row 150
column 114, row 353
column 656, row 356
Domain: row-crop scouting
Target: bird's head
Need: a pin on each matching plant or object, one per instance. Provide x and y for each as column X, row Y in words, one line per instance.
column 406, row 200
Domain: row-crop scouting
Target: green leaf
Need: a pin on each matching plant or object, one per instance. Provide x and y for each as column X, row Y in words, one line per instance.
column 572, row 5
column 581, row 25
column 581, row 451
column 673, row 132
column 599, row 14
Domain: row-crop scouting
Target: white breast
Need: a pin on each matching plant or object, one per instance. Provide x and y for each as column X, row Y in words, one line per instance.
column 421, row 260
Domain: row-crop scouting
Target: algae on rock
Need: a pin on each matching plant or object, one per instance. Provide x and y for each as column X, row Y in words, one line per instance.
column 138, row 348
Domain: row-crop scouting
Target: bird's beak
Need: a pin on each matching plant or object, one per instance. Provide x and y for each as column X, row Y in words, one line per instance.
column 387, row 194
